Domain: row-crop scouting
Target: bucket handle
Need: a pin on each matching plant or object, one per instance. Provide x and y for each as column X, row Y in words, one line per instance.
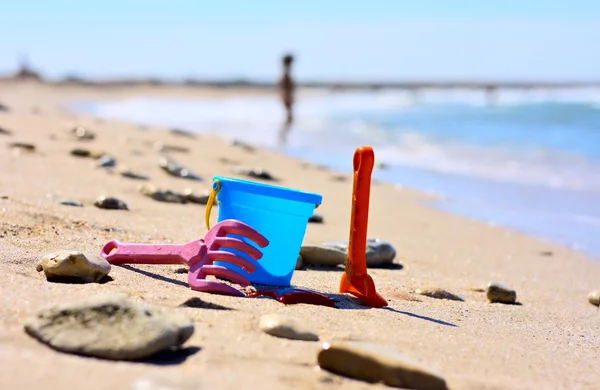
column 211, row 200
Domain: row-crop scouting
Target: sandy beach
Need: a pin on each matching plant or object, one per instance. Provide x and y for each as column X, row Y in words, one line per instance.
column 549, row 340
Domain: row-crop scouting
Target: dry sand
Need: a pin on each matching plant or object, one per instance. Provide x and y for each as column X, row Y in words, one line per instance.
column 550, row 341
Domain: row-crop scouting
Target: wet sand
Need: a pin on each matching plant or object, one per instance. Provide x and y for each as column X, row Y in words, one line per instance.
column 550, row 340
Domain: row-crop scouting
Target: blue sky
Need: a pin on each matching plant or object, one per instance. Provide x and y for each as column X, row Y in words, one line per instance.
column 333, row 39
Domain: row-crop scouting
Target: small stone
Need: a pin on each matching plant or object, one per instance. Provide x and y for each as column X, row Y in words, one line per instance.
column 4, row 108
column 299, row 262
column 196, row 197
column 80, row 152
column 379, row 253
column 132, row 175
column 174, row 169
column 373, row 364
column 439, row 293
column 286, row 327
column 498, row 292
column 109, row 203
column 256, row 173
column 160, row 147
column 316, row 218
column 73, row 266
column 183, row 133
column 22, row 145
column 162, row 195
column 243, row 145
column 322, row 255
column 70, row 203
column 4, row 131
column 83, row 134
column 594, row 297
column 340, row 178
column 106, row 161
column 110, row 327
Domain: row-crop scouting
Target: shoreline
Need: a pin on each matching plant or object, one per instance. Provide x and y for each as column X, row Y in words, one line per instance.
column 549, row 341
column 456, row 189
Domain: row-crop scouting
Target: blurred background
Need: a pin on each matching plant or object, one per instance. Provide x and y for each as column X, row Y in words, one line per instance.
column 493, row 106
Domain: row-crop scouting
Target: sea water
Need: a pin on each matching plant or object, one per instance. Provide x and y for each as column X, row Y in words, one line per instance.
column 525, row 160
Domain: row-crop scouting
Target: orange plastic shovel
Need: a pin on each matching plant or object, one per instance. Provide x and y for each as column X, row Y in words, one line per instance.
column 355, row 279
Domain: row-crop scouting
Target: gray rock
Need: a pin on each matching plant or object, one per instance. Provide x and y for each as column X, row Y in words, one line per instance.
column 286, row 327
column 373, row 364
column 106, row 161
column 197, row 197
column 173, row 168
column 4, row 108
column 162, row 195
column 594, row 298
column 379, row 253
column 439, row 293
column 109, row 203
column 110, row 327
column 501, row 293
column 322, row 255
column 255, row 173
column 73, row 266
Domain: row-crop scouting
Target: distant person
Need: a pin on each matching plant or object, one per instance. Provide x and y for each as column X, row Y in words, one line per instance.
column 286, row 91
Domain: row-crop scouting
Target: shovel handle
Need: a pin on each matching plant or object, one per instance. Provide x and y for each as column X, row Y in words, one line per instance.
column 364, row 160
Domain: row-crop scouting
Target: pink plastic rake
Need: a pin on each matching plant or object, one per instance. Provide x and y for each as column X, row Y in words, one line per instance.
column 199, row 255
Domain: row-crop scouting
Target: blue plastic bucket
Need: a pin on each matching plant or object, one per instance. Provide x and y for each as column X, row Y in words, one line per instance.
column 280, row 214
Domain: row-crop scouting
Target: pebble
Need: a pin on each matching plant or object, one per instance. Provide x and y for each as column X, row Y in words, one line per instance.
column 22, row 145
column 594, row 297
column 162, row 195
column 501, row 293
column 106, row 161
column 374, row 364
column 256, row 173
column 243, row 145
column 174, row 169
column 183, row 133
column 160, row 147
column 4, row 131
column 379, row 253
column 4, row 108
column 80, row 152
column 439, row 293
column 322, row 255
column 132, row 175
column 70, row 203
column 109, row 203
column 286, row 327
column 316, row 218
column 73, row 266
column 110, row 327
column 83, row 134
column 196, row 197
